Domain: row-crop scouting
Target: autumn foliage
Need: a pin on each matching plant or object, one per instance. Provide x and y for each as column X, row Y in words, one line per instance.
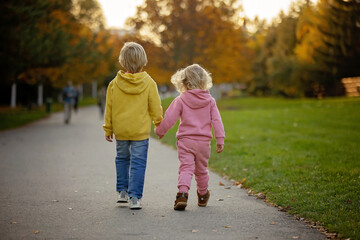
column 304, row 52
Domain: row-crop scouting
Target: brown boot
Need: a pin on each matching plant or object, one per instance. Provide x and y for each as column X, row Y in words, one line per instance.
column 203, row 199
column 181, row 201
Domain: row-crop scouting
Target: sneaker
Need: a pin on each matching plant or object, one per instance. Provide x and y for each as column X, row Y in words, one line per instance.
column 135, row 203
column 181, row 201
column 123, row 197
column 203, row 199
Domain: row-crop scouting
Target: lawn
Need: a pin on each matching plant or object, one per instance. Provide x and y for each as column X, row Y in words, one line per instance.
column 11, row 118
column 303, row 154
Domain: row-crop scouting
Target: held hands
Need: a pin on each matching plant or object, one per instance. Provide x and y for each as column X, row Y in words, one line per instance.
column 219, row 148
column 160, row 137
column 109, row 138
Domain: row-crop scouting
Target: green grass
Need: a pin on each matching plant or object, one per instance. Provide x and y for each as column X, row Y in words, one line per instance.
column 12, row 118
column 304, row 154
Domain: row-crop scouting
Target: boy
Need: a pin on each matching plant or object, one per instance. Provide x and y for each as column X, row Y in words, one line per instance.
column 132, row 100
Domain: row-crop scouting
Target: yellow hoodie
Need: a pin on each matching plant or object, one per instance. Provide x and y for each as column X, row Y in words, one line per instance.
column 132, row 100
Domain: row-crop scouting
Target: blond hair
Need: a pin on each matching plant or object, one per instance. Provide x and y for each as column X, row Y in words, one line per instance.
column 192, row 77
column 132, row 57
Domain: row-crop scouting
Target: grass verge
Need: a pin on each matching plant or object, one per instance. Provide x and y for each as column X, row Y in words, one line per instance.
column 303, row 154
column 12, row 118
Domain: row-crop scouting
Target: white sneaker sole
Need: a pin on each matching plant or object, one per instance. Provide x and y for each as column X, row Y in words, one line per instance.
column 135, row 207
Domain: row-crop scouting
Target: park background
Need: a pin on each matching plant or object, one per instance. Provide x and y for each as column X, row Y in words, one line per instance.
column 292, row 135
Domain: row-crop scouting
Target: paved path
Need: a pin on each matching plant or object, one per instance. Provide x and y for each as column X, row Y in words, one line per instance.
column 58, row 182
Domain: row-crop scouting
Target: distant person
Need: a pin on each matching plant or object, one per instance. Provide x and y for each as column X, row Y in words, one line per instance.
column 198, row 113
column 68, row 96
column 102, row 101
column 132, row 100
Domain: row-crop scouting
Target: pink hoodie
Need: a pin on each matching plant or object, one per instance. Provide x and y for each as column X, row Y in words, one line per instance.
column 197, row 111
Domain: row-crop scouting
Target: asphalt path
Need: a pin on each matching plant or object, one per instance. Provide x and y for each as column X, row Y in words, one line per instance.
column 58, row 182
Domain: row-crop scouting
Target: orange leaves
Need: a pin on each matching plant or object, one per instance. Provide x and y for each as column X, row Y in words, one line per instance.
column 184, row 40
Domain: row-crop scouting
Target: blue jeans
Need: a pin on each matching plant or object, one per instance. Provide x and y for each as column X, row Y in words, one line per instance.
column 130, row 161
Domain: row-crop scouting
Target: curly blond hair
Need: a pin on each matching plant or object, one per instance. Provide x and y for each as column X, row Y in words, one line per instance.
column 192, row 77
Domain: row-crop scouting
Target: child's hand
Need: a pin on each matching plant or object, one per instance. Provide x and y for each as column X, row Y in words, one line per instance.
column 219, row 148
column 109, row 138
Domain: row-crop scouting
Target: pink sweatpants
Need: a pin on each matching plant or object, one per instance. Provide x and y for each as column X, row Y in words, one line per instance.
column 193, row 156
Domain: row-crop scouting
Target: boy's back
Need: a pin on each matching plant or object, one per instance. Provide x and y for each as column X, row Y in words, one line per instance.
column 135, row 101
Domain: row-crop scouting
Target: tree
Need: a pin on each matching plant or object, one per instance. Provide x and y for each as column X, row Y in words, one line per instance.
column 34, row 35
column 206, row 32
column 281, row 66
column 329, row 44
column 52, row 42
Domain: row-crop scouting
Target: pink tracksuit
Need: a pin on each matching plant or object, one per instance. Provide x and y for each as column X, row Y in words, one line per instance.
column 198, row 112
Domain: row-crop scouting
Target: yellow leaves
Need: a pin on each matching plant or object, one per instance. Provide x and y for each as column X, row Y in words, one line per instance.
column 242, row 181
column 61, row 16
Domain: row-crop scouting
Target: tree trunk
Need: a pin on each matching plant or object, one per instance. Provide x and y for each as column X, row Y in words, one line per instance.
column 94, row 89
column 13, row 95
column 40, row 95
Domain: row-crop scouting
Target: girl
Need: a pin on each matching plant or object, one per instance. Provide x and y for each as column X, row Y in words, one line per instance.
column 198, row 112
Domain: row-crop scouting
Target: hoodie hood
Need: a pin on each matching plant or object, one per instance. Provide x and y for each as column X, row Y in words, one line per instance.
column 132, row 83
column 196, row 98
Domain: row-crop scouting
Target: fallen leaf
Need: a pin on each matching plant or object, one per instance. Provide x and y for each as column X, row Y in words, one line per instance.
column 221, row 184
column 227, row 227
column 273, row 223
column 194, row 231
column 260, row 195
column 293, row 199
column 55, row 200
column 214, row 230
column 14, row 223
column 239, row 186
column 285, row 209
column 229, row 196
column 295, row 237
column 70, row 208
column 237, row 183
column 36, row 231
column 244, row 179
column 220, row 199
